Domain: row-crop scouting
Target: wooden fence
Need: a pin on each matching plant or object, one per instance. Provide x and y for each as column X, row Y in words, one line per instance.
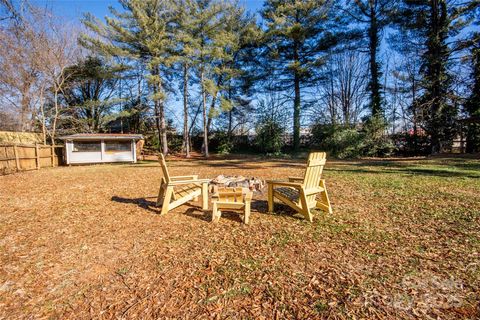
column 22, row 157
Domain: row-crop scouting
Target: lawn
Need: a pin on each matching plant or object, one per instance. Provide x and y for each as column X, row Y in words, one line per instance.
column 83, row 242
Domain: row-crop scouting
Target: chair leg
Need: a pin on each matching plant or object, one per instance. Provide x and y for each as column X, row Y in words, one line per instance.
column 166, row 200
column 324, row 204
column 270, row 198
column 305, row 209
column 161, row 193
column 246, row 217
column 215, row 212
column 205, row 196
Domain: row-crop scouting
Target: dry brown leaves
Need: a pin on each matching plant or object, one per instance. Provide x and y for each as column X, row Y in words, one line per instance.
column 85, row 242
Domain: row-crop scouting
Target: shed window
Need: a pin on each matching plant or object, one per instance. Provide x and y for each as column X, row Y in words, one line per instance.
column 118, row 146
column 87, row 146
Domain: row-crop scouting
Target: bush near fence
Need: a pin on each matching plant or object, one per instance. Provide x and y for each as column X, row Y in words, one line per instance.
column 23, row 157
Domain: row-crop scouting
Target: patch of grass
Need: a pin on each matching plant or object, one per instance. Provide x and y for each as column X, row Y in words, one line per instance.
column 250, row 264
column 123, row 271
column 242, row 290
column 320, row 306
column 281, row 238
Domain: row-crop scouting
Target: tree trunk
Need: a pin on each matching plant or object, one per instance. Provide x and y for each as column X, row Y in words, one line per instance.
column 205, row 129
column 230, row 122
column 25, row 106
column 212, row 105
column 296, row 104
column 375, row 96
column 414, row 110
column 157, row 124
column 160, row 113
column 436, row 76
column 54, row 124
column 473, row 106
column 42, row 112
column 186, row 138
column 163, row 129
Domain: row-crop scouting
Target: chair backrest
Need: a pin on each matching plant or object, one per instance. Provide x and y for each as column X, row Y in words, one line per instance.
column 163, row 164
column 313, row 173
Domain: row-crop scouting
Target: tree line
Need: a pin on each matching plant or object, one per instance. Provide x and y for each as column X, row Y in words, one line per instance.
column 361, row 77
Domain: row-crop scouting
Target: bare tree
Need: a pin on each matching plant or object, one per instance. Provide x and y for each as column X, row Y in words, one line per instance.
column 8, row 10
column 342, row 92
column 20, row 74
column 56, row 50
column 33, row 59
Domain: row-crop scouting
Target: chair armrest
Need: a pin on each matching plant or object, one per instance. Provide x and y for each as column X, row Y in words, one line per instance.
column 180, row 182
column 293, row 179
column 285, row 183
column 192, row 177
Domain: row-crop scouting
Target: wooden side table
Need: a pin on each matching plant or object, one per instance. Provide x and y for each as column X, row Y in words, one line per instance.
column 231, row 199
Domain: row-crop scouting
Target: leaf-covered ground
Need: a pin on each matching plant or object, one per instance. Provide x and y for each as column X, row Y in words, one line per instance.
column 87, row 242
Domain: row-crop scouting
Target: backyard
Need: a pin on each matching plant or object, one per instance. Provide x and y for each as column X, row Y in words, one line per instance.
column 87, row 242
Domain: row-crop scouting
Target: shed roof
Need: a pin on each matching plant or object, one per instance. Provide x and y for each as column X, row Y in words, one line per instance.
column 102, row 136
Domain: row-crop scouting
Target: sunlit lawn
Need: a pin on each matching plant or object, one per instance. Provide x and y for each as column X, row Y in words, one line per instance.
column 403, row 242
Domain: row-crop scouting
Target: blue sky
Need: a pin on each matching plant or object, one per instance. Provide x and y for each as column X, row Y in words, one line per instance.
column 74, row 9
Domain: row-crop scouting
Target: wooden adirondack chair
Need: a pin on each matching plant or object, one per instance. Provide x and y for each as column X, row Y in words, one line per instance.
column 301, row 193
column 180, row 189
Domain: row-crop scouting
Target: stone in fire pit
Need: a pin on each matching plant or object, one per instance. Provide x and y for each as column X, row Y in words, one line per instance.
column 255, row 184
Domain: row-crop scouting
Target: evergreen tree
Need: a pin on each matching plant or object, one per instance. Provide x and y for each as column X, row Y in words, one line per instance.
column 239, row 31
column 90, row 94
column 375, row 15
column 296, row 36
column 142, row 33
column 472, row 106
column 435, row 21
column 212, row 39
column 186, row 45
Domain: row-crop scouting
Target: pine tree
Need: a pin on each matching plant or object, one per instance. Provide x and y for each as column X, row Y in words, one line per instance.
column 208, row 26
column 142, row 33
column 472, row 106
column 230, row 75
column 89, row 93
column 186, row 44
column 375, row 15
column 212, row 38
column 434, row 21
column 296, row 36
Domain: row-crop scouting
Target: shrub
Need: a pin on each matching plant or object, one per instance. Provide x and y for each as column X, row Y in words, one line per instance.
column 376, row 143
column 340, row 141
column 346, row 142
column 269, row 137
column 225, row 144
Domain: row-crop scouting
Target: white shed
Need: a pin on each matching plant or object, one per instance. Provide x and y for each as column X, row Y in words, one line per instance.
column 100, row 148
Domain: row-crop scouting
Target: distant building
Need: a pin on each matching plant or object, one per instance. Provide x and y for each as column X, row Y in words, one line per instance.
column 100, row 148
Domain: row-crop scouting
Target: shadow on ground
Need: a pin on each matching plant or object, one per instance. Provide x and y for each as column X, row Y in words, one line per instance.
column 141, row 202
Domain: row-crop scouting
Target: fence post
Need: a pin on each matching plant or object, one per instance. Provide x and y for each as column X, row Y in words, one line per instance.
column 17, row 161
column 52, row 150
column 37, row 155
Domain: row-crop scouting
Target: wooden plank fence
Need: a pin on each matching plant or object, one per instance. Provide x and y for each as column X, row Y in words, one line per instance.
column 23, row 157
